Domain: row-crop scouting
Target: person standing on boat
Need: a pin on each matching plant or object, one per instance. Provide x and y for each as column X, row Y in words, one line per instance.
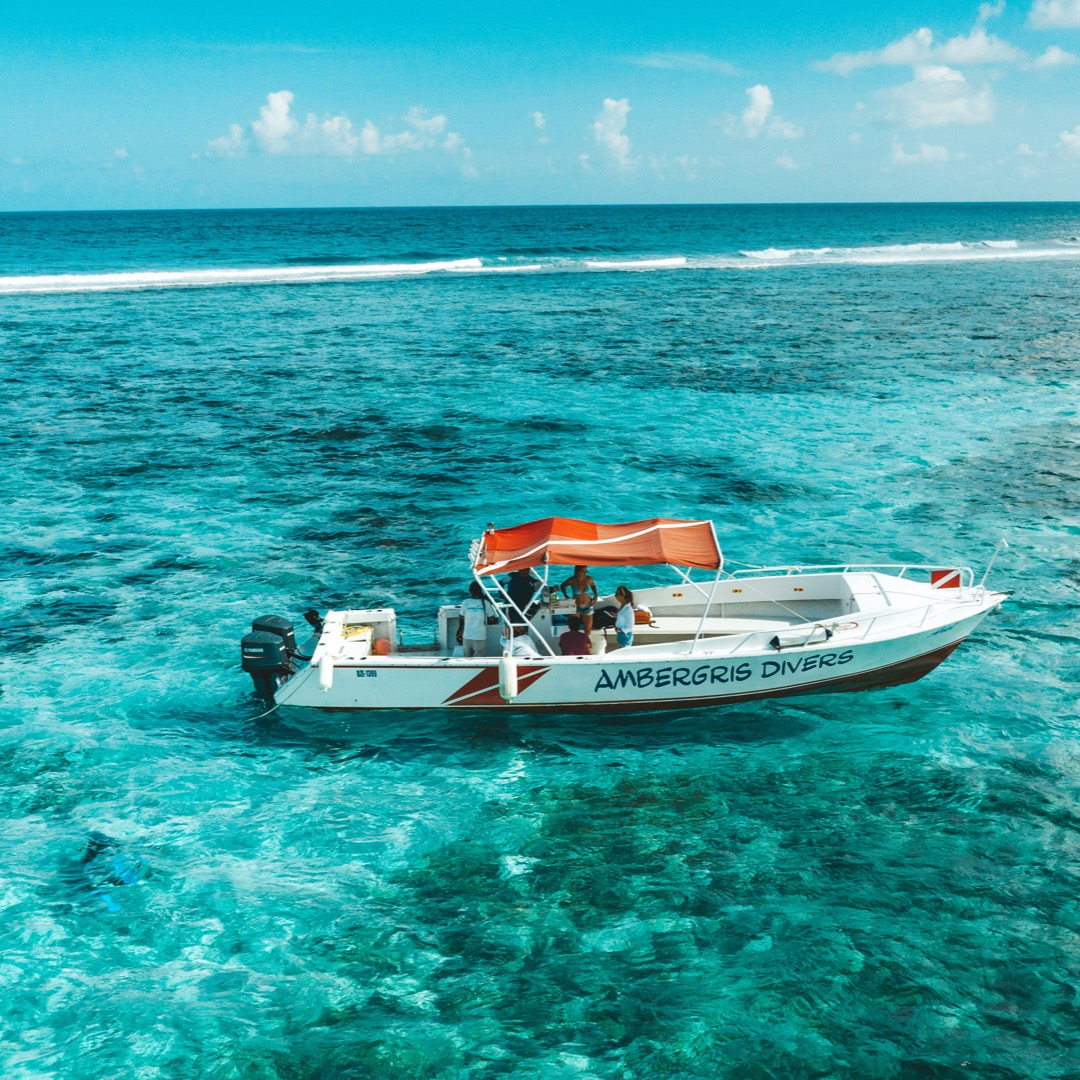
column 582, row 588
column 624, row 618
column 521, row 588
column 475, row 619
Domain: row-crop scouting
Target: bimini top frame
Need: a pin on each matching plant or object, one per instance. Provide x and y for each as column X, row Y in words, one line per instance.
column 569, row 542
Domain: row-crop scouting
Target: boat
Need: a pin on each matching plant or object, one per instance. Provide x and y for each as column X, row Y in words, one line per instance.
column 708, row 637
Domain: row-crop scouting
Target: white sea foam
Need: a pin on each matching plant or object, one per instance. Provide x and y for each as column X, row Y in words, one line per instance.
column 886, row 254
column 259, row 275
column 783, row 254
column 758, row 259
column 524, row 268
column 637, row 264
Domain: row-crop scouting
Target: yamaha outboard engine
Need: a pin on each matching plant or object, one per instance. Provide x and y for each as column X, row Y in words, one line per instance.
column 266, row 654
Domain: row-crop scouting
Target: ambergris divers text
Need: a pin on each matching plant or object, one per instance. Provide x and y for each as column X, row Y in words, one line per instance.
column 642, row 678
column 658, row 677
column 809, row 662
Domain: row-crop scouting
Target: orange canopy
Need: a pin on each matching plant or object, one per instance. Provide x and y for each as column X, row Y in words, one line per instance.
column 568, row 542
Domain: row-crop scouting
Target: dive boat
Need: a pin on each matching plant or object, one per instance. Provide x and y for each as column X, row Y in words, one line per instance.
column 705, row 639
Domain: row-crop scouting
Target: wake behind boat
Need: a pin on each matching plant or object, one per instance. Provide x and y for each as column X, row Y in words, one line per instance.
column 704, row 640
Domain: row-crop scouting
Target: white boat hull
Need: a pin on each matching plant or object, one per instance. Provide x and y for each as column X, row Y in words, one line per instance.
column 713, row 671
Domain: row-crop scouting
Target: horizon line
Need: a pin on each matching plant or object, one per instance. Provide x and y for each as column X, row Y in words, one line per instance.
column 547, row 206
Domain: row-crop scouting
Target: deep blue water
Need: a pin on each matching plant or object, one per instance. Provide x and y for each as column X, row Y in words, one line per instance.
column 883, row 885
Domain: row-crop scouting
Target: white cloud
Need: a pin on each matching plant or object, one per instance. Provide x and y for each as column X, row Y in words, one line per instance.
column 758, row 118
column 938, row 95
column 539, row 120
column 422, row 132
column 233, row 145
column 786, row 161
column 370, row 142
column 120, row 152
column 1055, row 57
column 757, row 112
column 918, row 48
column 989, row 11
column 468, row 169
column 925, row 155
column 978, row 47
column 277, row 131
column 276, row 124
column 783, row 129
column 1069, row 141
column 1054, row 14
column 609, row 131
column 686, row 61
column 332, row 136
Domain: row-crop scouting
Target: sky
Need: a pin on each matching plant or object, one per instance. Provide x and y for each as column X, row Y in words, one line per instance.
column 140, row 106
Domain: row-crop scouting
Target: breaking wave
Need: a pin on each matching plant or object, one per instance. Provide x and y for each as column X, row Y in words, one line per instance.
column 638, row 264
column 885, row 254
column 258, row 275
column 759, row 259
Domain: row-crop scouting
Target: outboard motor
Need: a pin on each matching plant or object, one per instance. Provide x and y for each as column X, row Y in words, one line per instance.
column 266, row 654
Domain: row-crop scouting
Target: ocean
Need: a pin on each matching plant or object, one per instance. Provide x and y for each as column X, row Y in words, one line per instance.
column 212, row 416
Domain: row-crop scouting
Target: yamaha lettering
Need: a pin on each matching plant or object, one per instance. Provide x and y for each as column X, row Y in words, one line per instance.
column 660, row 678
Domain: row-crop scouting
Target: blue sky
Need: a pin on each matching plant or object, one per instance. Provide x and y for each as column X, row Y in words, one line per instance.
column 330, row 104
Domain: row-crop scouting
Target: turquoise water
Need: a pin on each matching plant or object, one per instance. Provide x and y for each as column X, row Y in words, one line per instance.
column 876, row 885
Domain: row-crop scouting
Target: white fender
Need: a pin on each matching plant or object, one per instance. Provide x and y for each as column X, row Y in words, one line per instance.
column 326, row 671
column 508, row 679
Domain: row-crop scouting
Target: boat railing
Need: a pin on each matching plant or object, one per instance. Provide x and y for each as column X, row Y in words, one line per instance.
column 844, row 628
column 900, row 570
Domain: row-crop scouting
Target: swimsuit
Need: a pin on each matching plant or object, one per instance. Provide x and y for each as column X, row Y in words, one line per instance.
column 587, row 608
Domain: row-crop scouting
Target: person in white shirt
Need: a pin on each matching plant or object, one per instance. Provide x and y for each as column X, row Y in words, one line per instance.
column 624, row 618
column 475, row 617
column 521, row 644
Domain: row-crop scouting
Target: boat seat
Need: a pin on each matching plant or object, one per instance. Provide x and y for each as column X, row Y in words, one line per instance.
column 676, row 627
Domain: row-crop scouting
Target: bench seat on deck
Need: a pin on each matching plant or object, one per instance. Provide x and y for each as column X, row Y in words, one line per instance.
column 676, row 627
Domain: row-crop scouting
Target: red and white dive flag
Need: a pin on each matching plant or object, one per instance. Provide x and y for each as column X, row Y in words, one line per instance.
column 944, row 579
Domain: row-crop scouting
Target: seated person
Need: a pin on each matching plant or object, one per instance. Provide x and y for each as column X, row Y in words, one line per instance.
column 575, row 642
column 521, row 644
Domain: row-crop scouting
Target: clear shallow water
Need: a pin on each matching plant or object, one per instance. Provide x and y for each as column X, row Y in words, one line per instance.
column 876, row 885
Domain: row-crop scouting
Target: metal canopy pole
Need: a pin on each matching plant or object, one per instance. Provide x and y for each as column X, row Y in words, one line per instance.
column 712, row 591
column 705, row 613
column 510, row 604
